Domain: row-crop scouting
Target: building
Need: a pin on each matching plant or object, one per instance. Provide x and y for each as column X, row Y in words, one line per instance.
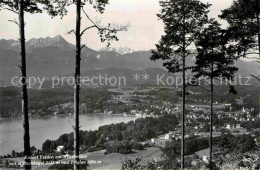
column 60, row 148
column 228, row 126
column 169, row 136
column 205, row 159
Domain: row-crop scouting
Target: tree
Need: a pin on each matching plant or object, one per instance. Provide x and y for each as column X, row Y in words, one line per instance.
column 131, row 164
column 13, row 153
column 182, row 19
column 106, row 33
column 215, row 61
column 244, row 25
column 19, row 7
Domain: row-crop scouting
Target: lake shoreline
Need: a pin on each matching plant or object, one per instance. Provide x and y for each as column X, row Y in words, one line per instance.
column 66, row 115
column 11, row 130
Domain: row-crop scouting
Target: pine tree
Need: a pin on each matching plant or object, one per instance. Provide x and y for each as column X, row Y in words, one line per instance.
column 215, row 61
column 19, row 7
column 244, row 26
column 106, row 33
column 182, row 20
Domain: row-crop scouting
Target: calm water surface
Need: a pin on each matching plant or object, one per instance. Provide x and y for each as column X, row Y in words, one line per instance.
column 11, row 130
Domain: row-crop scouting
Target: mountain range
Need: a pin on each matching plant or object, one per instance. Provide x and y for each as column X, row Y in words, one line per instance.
column 56, row 57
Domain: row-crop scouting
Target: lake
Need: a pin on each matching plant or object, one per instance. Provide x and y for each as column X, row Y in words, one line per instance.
column 11, row 130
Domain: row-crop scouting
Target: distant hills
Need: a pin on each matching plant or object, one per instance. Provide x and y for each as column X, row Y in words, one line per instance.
column 56, row 57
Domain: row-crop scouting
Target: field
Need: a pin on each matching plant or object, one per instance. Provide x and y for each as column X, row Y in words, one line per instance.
column 115, row 160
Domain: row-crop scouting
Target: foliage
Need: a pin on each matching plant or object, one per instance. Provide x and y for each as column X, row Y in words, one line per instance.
column 183, row 19
column 243, row 25
column 172, row 149
column 123, row 147
column 238, row 144
column 53, row 8
column 215, row 56
column 131, row 164
column 121, row 137
column 42, row 100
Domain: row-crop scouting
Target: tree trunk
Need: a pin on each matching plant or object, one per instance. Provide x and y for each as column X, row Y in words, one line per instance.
column 258, row 26
column 77, row 86
column 26, row 137
column 183, row 115
column 211, row 115
column 183, row 89
column 211, row 123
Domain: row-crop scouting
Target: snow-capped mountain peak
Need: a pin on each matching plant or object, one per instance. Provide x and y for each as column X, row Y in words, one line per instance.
column 120, row 50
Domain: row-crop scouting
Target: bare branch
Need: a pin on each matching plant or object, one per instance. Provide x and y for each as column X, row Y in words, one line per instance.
column 89, row 18
column 11, row 10
column 71, row 31
column 20, row 67
column 83, row 46
column 113, row 28
column 255, row 77
column 93, row 26
column 14, row 21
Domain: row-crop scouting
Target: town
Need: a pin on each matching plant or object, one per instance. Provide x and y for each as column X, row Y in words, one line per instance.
column 235, row 116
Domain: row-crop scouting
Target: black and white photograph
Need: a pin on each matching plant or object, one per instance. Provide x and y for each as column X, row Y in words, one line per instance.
column 129, row 84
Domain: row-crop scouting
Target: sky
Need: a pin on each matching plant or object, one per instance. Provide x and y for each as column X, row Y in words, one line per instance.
column 144, row 32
